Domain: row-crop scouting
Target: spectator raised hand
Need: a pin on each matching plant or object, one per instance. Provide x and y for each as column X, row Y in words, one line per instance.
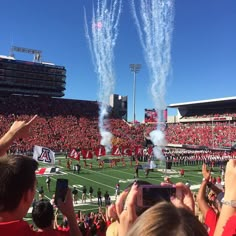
column 205, row 172
column 156, row 219
column 227, row 221
column 183, row 198
column 67, row 209
column 19, row 129
column 124, row 210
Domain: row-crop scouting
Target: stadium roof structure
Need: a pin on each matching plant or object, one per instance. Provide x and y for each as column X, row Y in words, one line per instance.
column 217, row 101
column 206, row 107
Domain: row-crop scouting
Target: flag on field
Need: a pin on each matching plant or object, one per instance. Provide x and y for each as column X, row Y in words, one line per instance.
column 138, row 151
column 116, row 151
column 100, row 151
column 74, row 155
column 126, row 151
column 150, row 151
column 44, row 155
column 87, row 154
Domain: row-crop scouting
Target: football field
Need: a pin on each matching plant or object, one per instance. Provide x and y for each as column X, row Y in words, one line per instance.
column 106, row 179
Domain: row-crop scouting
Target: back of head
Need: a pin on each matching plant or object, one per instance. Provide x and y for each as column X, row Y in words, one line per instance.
column 112, row 230
column 42, row 214
column 17, row 174
column 82, row 228
column 165, row 219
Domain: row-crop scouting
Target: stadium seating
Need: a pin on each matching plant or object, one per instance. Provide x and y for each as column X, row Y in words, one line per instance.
column 64, row 124
column 217, row 134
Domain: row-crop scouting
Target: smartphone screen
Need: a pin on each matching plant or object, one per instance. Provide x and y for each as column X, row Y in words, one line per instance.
column 61, row 189
column 151, row 194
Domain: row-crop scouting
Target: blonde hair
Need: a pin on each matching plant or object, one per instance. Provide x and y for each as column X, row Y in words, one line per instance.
column 112, row 229
column 165, row 219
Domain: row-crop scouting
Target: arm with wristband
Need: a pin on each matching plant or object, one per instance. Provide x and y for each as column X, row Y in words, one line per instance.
column 227, row 221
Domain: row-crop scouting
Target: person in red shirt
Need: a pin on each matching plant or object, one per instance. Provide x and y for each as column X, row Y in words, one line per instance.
column 18, row 186
column 43, row 218
column 218, row 180
column 182, row 172
column 209, row 214
column 19, row 198
column 213, row 180
column 230, row 227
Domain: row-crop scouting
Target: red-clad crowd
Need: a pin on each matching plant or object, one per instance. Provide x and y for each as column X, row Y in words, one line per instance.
column 216, row 134
column 64, row 124
column 130, row 215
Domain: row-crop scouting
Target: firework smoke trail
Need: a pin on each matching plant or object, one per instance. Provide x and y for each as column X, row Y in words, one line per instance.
column 102, row 39
column 155, row 25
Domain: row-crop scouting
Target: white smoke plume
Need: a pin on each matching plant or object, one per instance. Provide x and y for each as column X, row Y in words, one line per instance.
column 102, row 39
column 154, row 21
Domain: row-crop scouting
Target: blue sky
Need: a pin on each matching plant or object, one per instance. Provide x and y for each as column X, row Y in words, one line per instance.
column 203, row 55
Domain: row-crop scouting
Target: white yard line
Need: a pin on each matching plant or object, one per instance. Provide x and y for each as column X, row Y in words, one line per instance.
column 91, row 180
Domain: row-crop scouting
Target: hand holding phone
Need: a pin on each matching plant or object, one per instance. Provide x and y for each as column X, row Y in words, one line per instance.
column 184, row 197
column 149, row 195
column 61, row 190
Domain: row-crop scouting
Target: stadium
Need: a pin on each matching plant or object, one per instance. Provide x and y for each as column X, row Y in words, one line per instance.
column 201, row 131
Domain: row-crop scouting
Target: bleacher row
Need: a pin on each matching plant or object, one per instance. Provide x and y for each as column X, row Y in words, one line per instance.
column 64, row 124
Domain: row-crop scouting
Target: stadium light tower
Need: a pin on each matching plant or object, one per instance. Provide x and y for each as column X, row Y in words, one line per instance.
column 135, row 69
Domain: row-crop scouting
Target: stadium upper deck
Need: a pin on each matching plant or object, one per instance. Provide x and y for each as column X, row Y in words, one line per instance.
column 207, row 109
column 210, row 123
column 31, row 78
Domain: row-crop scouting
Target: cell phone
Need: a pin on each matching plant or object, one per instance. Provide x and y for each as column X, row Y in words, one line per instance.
column 149, row 195
column 61, row 189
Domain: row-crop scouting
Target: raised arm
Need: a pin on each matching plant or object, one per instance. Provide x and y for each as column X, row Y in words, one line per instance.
column 184, row 197
column 67, row 209
column 201, row 196
column 228, row 209
column 19, row 129
column 124, row 210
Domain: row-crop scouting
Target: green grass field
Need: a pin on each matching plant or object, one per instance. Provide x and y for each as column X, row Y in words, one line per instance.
column 107, row 178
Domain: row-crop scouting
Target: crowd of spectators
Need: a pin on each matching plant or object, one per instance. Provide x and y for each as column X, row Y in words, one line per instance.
column 210, row 113
column 217, row 204
column 47, row 217
column 64, row 124
column 210, row 134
